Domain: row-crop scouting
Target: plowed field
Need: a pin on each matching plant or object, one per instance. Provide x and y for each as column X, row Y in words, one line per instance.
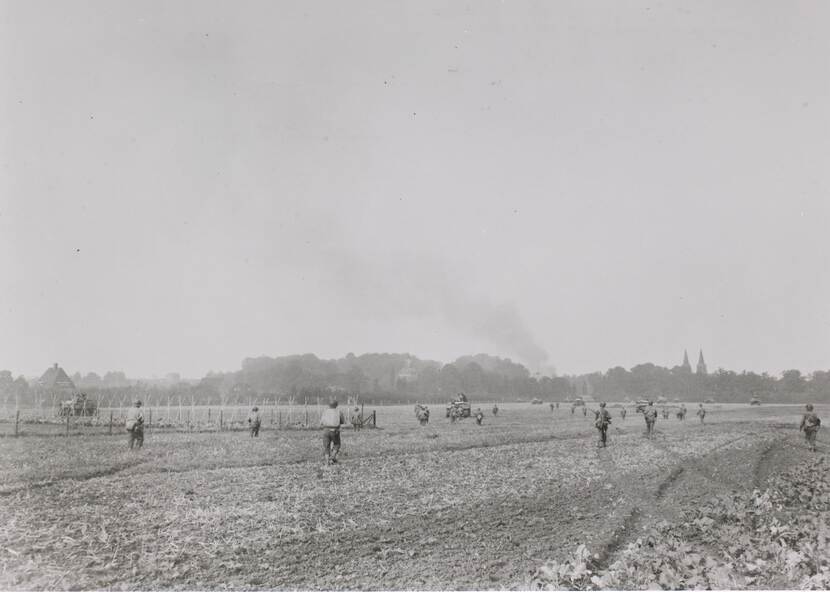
column 408, row 507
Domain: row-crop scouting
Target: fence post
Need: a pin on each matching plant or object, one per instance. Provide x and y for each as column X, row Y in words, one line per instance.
column 220, row 420
column 375, row 418
column 110, row 423
column 150, row 419
column 16, row 423
column 67, row 424
column 208, row 414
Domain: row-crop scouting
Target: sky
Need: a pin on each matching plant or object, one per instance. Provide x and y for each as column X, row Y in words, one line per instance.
column 573, row 185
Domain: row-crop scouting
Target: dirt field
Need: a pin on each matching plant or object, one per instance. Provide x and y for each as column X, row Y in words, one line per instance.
column 409, row 507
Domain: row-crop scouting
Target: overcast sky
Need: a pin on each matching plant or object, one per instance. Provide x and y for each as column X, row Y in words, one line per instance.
column 575, row 184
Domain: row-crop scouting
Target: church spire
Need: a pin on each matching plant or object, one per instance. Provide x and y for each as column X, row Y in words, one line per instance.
column 701, row 365
column 686, row 365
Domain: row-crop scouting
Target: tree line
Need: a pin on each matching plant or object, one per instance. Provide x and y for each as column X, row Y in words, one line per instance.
column 403, row 377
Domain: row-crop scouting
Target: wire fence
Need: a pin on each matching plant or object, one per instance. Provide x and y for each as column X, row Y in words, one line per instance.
column 93, row 419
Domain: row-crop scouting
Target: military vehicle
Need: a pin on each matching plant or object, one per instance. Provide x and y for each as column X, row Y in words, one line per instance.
column 459, row 408
column 78, row 406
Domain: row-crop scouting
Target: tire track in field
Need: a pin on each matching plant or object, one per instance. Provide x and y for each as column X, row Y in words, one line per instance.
column 762, row 464
column 93, row 475
column 696, row 464
column 636, row 517
column 282, row 462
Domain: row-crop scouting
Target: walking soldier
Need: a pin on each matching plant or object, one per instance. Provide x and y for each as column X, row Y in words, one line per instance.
column 135, row 425
column 603, row 419
column 810, row 425
column 650, row 415
column 330, row 421
column 255, row 421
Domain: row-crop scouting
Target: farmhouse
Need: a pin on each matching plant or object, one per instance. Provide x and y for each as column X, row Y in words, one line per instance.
column 55, row 379
column 407, row 373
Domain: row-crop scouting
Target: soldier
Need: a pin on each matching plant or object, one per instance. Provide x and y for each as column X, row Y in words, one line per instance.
column 356, row 420
column 135, row 425
column 650, row 415
column 603, row 419
column 573, row 408
column 665, row 413
column 623, row 413
column 551, row 407
column 810, row 424
column 584, row 411
column 254, row 420
column 495, row 409
column 479, row 416
column 557, row 404
column 681, row 413
column 422, row 414
column 701, row 413
column 330, row 421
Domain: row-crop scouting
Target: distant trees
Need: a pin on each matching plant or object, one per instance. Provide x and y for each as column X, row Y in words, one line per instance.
column 648, row 380
column 396, row 377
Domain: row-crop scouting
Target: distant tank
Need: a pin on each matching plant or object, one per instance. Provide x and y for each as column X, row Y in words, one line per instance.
column 459, row 408
column 78, row 406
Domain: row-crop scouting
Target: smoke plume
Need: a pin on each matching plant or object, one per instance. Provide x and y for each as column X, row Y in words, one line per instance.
column 424, row 287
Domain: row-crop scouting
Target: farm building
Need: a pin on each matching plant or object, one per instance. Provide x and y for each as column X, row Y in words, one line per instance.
column 55, row 379
column 407, row 373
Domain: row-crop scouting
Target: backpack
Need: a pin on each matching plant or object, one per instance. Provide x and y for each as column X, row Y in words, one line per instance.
column 812, row 421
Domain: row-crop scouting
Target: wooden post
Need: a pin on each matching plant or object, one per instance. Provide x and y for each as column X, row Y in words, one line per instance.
column 208, row 414
column 374, row 418
column 306, row 413
column 150, row 419
column 16, row 423
column 220, row 420
column 110, row 423
column 67, row 424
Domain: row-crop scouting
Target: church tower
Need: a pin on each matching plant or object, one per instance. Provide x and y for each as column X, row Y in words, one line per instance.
column 686, row 366
column 701, row 365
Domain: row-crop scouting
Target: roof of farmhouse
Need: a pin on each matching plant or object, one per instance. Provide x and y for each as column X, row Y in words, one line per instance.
column 56, row 378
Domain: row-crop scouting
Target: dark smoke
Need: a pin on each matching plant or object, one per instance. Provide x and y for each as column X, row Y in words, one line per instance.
column 423, row 287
